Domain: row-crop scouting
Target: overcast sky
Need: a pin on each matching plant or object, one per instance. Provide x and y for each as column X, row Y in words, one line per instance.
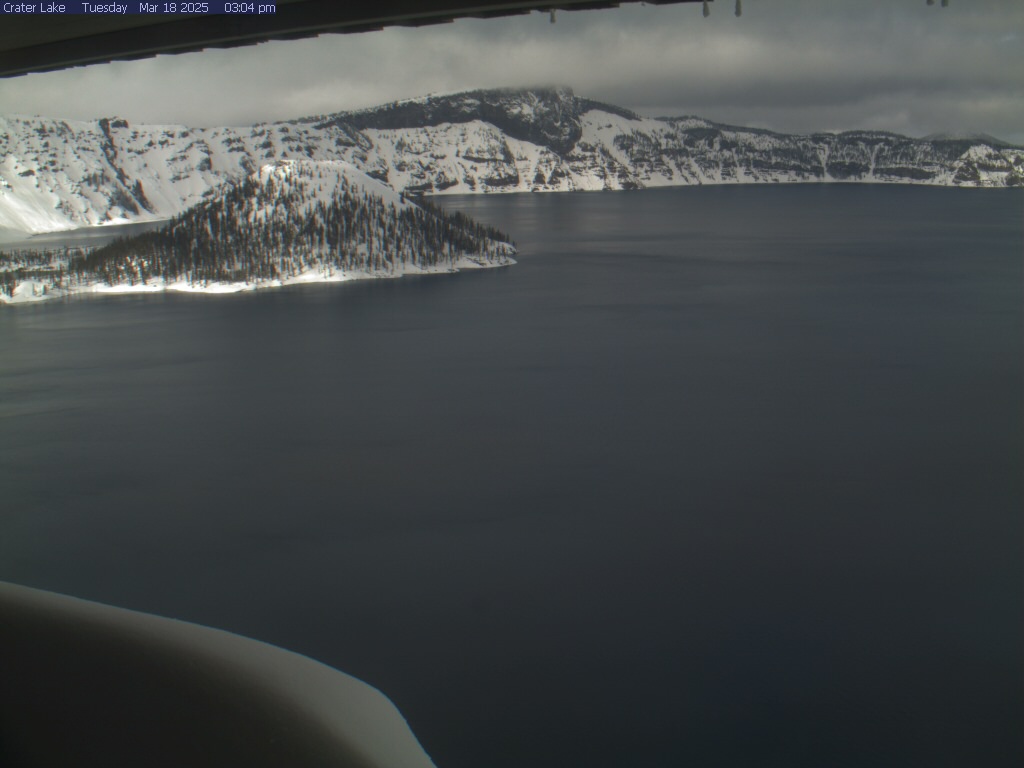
column 789, row 65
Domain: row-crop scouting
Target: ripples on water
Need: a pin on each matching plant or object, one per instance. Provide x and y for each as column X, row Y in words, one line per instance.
column 722, row 476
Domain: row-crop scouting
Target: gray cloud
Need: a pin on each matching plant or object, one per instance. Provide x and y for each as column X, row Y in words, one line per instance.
column 792, row 65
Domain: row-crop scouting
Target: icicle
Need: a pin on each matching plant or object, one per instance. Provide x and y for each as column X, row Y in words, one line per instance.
column 552, row 15
column 739, row 8
column 707, row 9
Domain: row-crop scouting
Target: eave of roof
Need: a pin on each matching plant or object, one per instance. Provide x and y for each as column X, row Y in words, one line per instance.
column 41, row 43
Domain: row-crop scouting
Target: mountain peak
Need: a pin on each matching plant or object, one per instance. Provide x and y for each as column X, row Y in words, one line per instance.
column 975, row 138
column 548, row 116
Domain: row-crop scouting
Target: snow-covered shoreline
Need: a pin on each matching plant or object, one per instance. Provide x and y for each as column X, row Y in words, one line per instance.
column 34, row 291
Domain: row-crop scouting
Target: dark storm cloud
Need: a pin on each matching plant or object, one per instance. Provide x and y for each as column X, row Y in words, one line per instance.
column 793, row 65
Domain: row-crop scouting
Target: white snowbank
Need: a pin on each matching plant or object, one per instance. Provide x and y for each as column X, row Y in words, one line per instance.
column 31, row 291
column 243, row 693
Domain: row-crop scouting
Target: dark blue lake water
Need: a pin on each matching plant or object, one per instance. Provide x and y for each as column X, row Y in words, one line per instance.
column 712, row 477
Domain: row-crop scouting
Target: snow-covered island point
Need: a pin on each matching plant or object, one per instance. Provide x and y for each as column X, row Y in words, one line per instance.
column 290, row 222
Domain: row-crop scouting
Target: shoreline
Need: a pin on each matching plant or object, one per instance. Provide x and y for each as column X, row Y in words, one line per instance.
column 31, row 292
column 87, row 236
column 103, row 233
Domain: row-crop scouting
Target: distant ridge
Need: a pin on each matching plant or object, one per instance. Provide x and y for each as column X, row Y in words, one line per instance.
column 548, row 116
column 984, row 138
column 57, row 174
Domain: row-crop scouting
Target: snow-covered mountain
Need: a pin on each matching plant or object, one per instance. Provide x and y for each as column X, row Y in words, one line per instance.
column 57, row 174
column 291, row 221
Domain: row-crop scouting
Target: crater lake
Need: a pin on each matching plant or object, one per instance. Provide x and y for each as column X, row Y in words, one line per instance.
column 717, row 476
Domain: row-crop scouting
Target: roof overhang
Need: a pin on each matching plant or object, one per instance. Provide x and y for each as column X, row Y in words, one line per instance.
column 45, row 42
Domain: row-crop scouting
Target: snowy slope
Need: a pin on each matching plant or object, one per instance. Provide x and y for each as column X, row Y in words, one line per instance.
column 58, row 174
